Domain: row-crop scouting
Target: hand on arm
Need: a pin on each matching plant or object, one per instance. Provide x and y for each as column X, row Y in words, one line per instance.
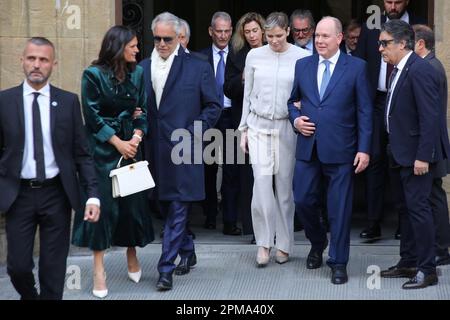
column 127, row 149
column 305, row 127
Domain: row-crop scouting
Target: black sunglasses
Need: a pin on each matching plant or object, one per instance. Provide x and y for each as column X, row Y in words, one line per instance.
column 165, row 39
column 385, row 43
column 305, row 30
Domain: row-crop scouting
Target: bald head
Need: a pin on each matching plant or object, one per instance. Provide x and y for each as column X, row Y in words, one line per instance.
column 328, row 36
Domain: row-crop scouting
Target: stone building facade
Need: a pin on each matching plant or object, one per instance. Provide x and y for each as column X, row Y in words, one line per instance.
column 77, row 28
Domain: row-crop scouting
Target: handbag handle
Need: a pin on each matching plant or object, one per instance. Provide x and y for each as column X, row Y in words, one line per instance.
column 120, row 161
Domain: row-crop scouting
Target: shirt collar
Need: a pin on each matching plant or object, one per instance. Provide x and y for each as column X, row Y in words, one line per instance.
column 27, row 89
column 334, row 59
column 405, row 17
column 403, row 62
column 216, row 50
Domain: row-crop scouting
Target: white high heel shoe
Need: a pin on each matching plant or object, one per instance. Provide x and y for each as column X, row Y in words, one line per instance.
column 135, row 276
column 100, row 293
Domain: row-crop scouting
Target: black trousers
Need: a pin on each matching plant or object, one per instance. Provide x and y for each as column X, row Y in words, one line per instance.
column 417, row 244
column 377, row 171
column 47, row 207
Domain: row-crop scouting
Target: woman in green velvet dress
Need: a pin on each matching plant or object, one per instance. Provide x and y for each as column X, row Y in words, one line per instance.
column 112, row 90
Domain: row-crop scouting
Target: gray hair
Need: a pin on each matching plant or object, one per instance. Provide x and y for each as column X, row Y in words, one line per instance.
column 303, row 14
column 184, row 24
column 400, row 31
column 337, row 23
column 167, row 18
column 220, row 15
column 277, row 19
column 41, row 41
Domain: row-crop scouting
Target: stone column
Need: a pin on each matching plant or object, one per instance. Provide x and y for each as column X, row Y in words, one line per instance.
column 76, row 27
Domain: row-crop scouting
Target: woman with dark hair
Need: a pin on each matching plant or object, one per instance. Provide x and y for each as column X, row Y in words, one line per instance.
column 249, row 34
column 112, row 89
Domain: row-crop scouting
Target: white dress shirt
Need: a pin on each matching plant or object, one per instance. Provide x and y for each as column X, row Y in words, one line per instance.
column 28, row 162
column 400, row 67
column 320, row 70
column 383, row 67
column 216, row 58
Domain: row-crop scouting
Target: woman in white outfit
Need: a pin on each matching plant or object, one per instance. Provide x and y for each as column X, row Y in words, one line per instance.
column 269, row 138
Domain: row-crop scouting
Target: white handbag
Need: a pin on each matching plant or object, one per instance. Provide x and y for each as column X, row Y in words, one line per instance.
column 130, row 179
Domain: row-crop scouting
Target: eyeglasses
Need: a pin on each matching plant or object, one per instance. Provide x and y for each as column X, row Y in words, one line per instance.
column 305, row 30
column 167, row 40
column 385, row 43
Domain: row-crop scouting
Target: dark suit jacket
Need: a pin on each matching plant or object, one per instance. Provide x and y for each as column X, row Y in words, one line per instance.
column 442, row 167
column 233, row 86
column 367, row 49
column 415, row 110
column 68, row 140
column 344, row 116
column 189, row 95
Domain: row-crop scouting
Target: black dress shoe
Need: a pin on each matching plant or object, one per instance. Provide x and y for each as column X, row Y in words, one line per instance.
column 398, row 272
column 253, row 240
column 421, row 281
column 443, row 260
column 185, row 265
column 231, row 230
column 339, row 275
column 372, row 232
column 314, row 259
column 165, row 281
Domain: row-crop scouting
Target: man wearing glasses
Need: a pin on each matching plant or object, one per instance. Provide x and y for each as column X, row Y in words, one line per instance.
column 180, row 91
column 379, row 72
column 416, row 143
column 302, row 30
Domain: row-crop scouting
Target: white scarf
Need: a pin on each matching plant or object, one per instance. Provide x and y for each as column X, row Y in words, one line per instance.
column 160, row 71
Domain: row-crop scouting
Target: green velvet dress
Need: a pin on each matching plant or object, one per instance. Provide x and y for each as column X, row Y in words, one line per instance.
column 108, row 108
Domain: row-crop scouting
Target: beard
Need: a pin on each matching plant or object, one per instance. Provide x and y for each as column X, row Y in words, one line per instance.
column 37, row 80
column 396, row 15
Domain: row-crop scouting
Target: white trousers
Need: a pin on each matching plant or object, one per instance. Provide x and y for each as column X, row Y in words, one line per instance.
column 272, row 153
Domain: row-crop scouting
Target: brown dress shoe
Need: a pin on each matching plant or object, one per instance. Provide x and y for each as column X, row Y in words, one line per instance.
column 398, row 272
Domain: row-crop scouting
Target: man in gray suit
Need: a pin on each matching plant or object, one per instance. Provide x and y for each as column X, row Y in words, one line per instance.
column 424, row 48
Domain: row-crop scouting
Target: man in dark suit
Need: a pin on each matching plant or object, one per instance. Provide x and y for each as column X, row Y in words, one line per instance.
column 424, row 47
column 302, row 30
column 181, row 96
column 415, row 145
column 220, row 31
column 42, row 150
column 379, row 72
column 335, row 127
column 351, row 36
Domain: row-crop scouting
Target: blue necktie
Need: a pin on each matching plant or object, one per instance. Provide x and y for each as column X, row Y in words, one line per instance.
column 325, row 79
column 220, row 76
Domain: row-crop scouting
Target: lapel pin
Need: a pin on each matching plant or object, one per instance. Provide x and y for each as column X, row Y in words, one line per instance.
column 54, row 104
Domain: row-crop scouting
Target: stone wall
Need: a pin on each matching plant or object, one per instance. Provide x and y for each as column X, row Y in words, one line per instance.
column 75, row 26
